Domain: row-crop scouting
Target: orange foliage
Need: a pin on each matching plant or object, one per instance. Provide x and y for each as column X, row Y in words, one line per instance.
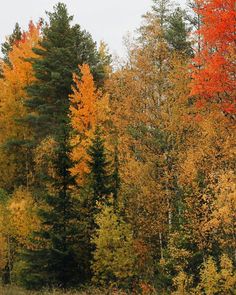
column 83, row 101
column 88, row 108
column 214, row 72
column 16, row 77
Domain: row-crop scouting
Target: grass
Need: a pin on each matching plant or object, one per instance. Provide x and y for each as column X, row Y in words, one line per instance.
column 13, row 290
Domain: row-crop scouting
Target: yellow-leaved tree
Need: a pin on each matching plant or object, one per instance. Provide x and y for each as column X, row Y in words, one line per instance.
column 89, row 108
column 16, row 77
column 23, row 214
column 114, row 257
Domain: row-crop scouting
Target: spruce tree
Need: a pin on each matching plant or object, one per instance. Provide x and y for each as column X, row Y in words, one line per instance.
column 115, row 177
column 55, row 260
column 99, row 176
column 97, row 189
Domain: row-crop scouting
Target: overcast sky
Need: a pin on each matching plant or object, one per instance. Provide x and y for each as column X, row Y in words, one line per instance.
column 107, row 20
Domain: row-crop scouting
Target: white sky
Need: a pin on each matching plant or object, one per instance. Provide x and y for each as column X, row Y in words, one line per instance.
column 107, row 20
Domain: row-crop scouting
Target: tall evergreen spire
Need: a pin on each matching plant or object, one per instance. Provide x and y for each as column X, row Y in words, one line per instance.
column 54, row 261
column 98, row 165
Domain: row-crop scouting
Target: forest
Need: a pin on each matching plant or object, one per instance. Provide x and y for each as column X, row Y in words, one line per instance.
column 118, row 176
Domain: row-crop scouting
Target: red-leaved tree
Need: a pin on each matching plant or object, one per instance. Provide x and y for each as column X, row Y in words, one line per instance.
column 214, row 72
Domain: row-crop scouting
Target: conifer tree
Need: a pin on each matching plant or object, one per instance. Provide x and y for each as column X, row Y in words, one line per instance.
column 7, row 46
column 54, row 260
column 97, row 187
column 116, row 177
column 61, row 50
column 99, row 176
column 177, row 32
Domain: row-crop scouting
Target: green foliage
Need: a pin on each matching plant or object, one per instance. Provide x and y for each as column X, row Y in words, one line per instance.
column 98, row 165
column 6, row 47
column 114, row 258
column 177, row 32
column 153, row 217
column 62, row 49
column 54, row 260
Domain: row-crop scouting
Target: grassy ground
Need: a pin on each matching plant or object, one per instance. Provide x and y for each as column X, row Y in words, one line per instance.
column 12, row 290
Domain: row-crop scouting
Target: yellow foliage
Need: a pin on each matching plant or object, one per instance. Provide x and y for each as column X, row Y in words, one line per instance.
column 217, row 281
column 114, row 255
column 44, row 158
column 16, row 77
column 5, row 231
column 181, row 283
column 222, row 219
column 23, row 216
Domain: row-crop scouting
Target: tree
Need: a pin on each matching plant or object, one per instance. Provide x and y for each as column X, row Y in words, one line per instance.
column 214, row 280
column 6, row 239
column 88, row 108
column 12, row 40
column 14, row 136
column 61, row 50
column 23, row 216
column 97, row 187
column 177, row 32
column 98, row 165
column 214, row 70
column 148, row 98
column 83, row 119
column 115, row 177
column 114, row 258
column 54, row 260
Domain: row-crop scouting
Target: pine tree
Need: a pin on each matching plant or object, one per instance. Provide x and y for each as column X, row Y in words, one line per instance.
column 177, row 32
column 7, row 46
column 97, row 187
column 62, row 48
column 54, row 260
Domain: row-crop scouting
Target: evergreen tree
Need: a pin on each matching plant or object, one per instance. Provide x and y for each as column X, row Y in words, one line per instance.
column 173, row 25
column 54, row 260
column 116, row 177
column 99, row 176
column 177, row 32
column 6, row 47
column 97, row 188
column 162, row 9
column 62, row 48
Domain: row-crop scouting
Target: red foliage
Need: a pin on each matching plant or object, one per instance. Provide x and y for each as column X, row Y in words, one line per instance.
column 214, row 72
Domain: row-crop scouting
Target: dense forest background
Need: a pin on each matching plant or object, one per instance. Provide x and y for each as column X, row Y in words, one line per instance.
column 121, row 174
